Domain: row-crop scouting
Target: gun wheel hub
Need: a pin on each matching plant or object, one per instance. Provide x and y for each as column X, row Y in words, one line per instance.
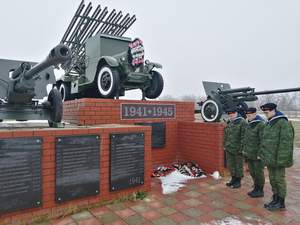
column 210, row 111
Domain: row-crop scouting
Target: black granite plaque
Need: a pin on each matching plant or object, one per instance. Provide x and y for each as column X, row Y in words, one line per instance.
column 77, row 167
column 127, row 152
column 158, row 133
column 148, row 111
column 20, row 173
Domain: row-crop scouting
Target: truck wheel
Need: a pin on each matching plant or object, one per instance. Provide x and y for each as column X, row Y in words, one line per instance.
column 65, row 91
column 156, row 85
column 56, row 107
column 108, row 82
column 211, row 111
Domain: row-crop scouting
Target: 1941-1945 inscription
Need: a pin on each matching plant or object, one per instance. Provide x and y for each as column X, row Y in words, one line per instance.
column 144, row 111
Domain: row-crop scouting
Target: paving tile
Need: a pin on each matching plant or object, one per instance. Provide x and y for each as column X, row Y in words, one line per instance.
column 232, row 210
column 192, row 202
column 151, row 215
column 62, row 221
column 193, row 187
column 156, row 205
column 293, row 223
column 205, row 218
column 180, row 206
column 90, row 221
column 108, row 217
column 124, row 213
column 169, row 201
column 135, row 220
column 163, row 221
column 275, row 218
column 218, row 203
column 242, row 205
column 192, row 194
column 99, row 211
column 82, row 215
column 118, row 222
column 178, row 217
column 167, row 211
column 117, row 206
column 190, row 222
column 192, row 212
column 205, row 208
column 219, row 214
column 140, row 208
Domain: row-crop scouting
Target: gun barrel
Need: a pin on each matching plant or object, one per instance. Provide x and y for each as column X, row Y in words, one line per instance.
column 229, row 91
column 58, row 55
column 277, row 91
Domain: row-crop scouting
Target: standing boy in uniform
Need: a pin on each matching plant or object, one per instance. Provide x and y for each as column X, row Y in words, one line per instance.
column 252, row 144
column 277, row 152
column 233, row 141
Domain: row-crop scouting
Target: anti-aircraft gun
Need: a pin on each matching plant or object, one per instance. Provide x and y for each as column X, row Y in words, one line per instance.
column 18, row 103
column 104, row 63
column 221, row 97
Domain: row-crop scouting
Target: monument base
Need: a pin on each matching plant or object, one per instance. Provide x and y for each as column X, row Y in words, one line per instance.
column 62, row 175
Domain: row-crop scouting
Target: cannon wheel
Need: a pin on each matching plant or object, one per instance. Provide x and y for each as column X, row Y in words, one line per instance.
column 210, row 111
column 56, row 107
column 108, row 82
column 156, row 85
column 65, row 91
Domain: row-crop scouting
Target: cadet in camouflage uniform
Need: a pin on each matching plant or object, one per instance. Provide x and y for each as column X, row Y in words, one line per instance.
column 233, row 136
column 251, row 148
column 277, row 152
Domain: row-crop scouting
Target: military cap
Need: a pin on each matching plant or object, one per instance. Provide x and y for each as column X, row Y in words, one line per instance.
column 231, row 110
column 250, row 110
column 268, row 106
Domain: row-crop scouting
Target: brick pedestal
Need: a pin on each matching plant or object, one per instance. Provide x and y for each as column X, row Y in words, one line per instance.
column 49, row 206
column 107, row 111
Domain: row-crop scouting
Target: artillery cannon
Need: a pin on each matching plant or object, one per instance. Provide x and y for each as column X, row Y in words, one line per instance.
column 221, row 97
column 18, row 102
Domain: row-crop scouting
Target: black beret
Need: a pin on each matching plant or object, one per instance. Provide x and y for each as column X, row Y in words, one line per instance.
column 268, row 106
column 250, row 110
column 231, row 110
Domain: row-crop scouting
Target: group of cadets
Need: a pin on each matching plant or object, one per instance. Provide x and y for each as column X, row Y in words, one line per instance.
column 260, row 143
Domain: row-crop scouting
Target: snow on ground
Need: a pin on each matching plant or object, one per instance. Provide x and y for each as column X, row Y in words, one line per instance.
column 233, row 221
column 174, row 181
column 216, row 175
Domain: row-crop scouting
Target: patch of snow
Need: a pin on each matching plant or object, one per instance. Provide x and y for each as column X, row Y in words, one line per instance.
column 231, row 221
column 174, row 181
column 216, row 175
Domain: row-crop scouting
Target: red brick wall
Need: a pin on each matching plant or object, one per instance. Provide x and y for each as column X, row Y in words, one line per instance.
column 107, row 111
column 186, row 140
column 88, row 111
column 202, row 143
column 49, row 206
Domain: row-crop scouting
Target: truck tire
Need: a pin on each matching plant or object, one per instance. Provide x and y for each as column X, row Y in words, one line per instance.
column 65, row 91
column 156, row 86
column 107, row 82
column 56, row 112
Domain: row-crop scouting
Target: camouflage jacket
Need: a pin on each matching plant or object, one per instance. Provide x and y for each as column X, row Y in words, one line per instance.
column 233, row 135
column 278, row 142
column 252, row 138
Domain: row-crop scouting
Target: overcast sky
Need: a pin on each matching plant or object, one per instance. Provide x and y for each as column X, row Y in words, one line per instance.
column 243, row 42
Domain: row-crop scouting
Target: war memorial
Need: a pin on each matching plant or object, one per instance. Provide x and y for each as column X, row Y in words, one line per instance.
column 97, row 147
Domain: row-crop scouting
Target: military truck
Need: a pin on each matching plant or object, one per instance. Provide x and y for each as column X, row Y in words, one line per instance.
column 104, row 63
